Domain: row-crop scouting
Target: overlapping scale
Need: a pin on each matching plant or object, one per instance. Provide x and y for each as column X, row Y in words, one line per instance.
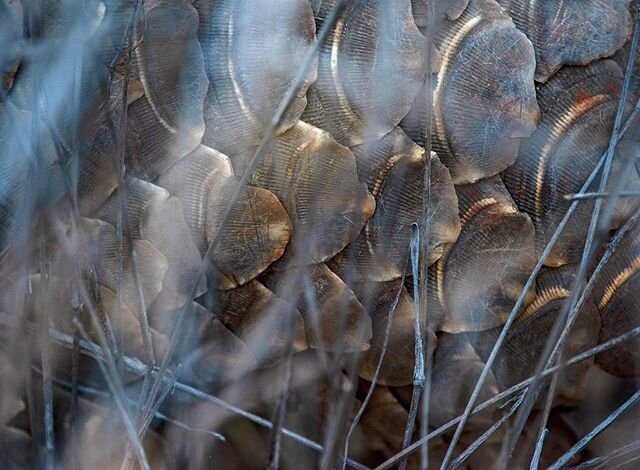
column 82, row 132
column 314, row 250
column 616, row 297
column 394, row 169
column 383, row 426
column 316, row 180
column 528, row 336
column 96, row 426
column 114, row 267
column 451, row 9
column 578, row 112
column 78, row 154
column 156, row 216
column 334, row 319
column 270, row 327
column 209, row 353
column 257, row 232
column 564, row 437
column 478, row 280
column 370, row 70
column 29, row 182
column 483, row 93
column 621, row 58
column 397, row 367
column 456, row 369
column 119, row 324
column 252, row 52
column 566, row 32
column 100, row 149
column 167, row 123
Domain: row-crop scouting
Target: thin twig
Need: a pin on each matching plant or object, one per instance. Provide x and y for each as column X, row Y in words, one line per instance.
column 607, row 461
column 546, row 412
column 45, row 356
column 376, row 374
column 635, row 332
column 344, row 394
column 486, row 435
column 160, row 416
column 611, row 248
column 268, row 137
column 419, row 367
column 140, row 369
column 107, row 344
column 278, row 422
column 118, row 398
column 584, row 442
column 281, row 408
column 425, row 132
column 528, row 285
column 597, row 195
column 537, row 454
column 598, row 229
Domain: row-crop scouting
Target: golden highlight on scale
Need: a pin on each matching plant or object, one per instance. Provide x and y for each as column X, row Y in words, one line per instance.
column 243, row 234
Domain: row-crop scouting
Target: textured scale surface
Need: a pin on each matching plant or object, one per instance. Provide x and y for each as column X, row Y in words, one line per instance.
column 369, row 71
column 569, row 32
column 126, row 131
column 578, row 108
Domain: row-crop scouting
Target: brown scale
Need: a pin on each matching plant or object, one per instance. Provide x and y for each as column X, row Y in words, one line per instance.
column 478, row 280
column 311, row 409
column 450, row 9
column 14, row 171
column 166, row 124
column 565, row 32
column 394, row 169
column 97, row 178
column 156, row 216
column 454, row 373
column 334, row 319
column 16, row 448
column 370, row 69
column 209, row 354
column 528, row 335
column 616, row 296
column 102, row 117
column 578, row 111
column 483, row 93
column 101, row 114
column 622, row 57
column 112, row 316
column 381, row 433
column 382, row 429
column 98, row 433
column 53, row 136
column 397, row 367
column 456, row 369
column 16, row 444
column 114, row 268
column 269, row 326
column 258, row 230
column 316, row 180
column 7, row 77
column 100, row 436
column 252, row 53
column 559, row 440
